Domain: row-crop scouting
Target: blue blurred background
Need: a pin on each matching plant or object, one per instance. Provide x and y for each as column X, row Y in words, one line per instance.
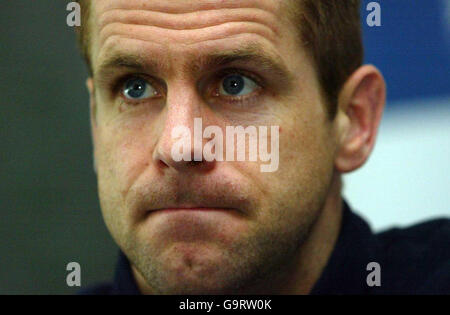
column 411, row 47
column 407, row 178
column 50, row 211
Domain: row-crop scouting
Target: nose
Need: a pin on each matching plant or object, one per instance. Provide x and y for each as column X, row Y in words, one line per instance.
column 182, row 130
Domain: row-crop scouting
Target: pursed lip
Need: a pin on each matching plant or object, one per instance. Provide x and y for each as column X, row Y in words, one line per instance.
column 193, row 208
column 206, row 201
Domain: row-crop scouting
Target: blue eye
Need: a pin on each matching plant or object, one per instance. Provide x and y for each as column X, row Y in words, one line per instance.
column 237, row 85
column 138, row 89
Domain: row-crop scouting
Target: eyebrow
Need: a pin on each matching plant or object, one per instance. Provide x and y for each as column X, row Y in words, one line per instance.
column 249, row 54
column 252, row 53
column 127, row 61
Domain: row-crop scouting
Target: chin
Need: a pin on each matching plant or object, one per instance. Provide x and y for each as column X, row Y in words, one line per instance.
column 193, row 268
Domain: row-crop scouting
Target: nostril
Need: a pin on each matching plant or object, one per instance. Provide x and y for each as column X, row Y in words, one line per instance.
column 162, row 164
column 195, row 163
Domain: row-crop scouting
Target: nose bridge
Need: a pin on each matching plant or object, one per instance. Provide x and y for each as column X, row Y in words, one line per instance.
column 183, row 106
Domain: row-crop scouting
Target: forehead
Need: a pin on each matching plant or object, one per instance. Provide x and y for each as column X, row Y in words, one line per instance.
column 185, row 15
column 161, row 27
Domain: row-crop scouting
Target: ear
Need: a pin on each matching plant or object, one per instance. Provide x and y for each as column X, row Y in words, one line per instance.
column 361, row 103
column 93, row 118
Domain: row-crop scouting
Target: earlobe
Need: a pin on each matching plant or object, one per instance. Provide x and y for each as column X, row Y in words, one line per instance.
column 361, row 102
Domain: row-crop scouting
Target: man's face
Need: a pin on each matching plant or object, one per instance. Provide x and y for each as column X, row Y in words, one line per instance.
column 160, row 64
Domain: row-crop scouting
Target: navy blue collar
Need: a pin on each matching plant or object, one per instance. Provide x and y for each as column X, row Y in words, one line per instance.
column 124, row 283
column 345, row 272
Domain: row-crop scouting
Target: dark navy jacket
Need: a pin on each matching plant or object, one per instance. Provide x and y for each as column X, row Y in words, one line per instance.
column 414, row 260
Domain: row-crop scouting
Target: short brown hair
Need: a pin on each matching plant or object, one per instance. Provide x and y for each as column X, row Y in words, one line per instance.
column 330, row 30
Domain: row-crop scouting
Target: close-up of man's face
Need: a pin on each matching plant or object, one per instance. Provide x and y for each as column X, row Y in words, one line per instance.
column 211, row 226
column 222, row 152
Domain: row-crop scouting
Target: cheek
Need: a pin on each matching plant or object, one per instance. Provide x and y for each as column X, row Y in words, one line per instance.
column 303, row 141
column 306, row 165
column 124, row 153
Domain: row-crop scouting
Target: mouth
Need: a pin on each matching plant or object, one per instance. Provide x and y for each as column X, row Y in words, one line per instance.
column 194, row 223
column 192, row 209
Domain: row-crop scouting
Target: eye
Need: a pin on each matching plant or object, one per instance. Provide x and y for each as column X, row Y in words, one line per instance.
column 237, row 85
column 138, row 89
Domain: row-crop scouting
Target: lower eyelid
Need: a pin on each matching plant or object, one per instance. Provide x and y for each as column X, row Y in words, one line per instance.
column 242, row 99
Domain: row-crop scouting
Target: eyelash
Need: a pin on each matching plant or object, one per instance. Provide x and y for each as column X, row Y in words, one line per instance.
column 118, row 84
